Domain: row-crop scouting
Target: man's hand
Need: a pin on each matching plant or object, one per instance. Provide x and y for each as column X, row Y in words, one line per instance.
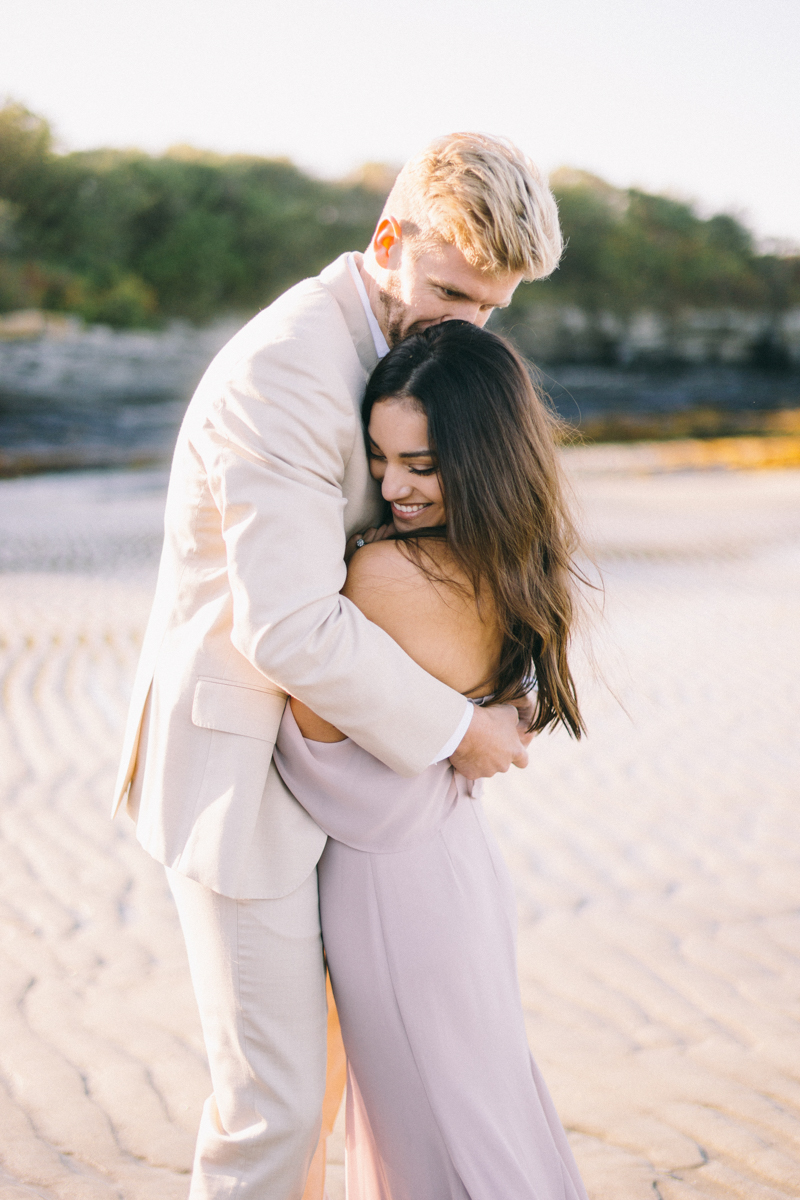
column 492, row 743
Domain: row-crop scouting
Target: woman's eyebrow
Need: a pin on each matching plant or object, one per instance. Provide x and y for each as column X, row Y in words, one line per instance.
column 404, row 454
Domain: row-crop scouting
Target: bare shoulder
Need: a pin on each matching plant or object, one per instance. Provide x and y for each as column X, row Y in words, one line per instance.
column 436, row 621
column 383, row 577
column 380, row 564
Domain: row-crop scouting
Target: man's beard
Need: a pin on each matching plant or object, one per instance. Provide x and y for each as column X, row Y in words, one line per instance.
column 396, row 319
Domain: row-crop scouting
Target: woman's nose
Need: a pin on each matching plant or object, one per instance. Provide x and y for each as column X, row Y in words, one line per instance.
column 393, row 488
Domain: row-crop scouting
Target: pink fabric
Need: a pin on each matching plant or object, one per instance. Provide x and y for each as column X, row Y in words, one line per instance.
column 419, row 924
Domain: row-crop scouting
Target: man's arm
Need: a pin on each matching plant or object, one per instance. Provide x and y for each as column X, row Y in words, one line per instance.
column 275, row 442
column 275, row 437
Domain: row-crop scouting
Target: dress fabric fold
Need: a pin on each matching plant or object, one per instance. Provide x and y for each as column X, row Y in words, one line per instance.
column 444, row 1100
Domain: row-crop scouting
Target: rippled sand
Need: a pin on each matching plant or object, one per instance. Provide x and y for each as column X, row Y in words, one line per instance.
column 657, row 863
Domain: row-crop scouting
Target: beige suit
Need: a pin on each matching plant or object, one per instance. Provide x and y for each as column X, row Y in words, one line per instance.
column 269, row 478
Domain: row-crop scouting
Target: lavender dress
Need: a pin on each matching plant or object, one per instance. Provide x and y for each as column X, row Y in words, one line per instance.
column 444, row 1101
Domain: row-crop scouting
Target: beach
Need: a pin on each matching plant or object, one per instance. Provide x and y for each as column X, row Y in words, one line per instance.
column 657, row 862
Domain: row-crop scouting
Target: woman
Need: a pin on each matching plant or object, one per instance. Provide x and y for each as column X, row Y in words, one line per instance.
column 473, row 578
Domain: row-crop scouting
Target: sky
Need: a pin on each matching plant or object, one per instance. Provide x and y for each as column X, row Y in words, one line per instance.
column 699, row 98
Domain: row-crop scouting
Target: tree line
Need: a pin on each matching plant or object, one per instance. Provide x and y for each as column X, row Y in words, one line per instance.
column 131, row 239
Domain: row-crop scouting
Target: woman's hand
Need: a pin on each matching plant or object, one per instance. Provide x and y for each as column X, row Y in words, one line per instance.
column 369, row 535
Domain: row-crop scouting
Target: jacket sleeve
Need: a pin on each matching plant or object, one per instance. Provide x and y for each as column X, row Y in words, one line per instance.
column 275, row 443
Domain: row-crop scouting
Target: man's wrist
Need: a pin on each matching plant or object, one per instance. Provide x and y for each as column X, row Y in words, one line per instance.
column 457, row 737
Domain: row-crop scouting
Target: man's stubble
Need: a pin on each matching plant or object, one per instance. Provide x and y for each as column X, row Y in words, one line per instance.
column 396, row 319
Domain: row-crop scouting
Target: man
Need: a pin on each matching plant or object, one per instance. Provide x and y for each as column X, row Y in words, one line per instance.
column 269, row 479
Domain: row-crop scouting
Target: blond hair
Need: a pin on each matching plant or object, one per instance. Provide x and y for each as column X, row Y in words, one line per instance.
column 483, row 196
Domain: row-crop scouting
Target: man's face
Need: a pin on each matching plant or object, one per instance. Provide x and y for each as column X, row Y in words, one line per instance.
column 439, row 285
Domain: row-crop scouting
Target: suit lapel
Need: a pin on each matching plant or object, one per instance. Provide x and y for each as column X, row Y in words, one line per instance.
column 339, row 282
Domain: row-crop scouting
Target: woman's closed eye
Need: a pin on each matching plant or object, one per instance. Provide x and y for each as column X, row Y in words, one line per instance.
column 377, row 457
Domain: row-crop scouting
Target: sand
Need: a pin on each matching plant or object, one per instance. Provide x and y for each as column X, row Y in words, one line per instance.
column 657, row 863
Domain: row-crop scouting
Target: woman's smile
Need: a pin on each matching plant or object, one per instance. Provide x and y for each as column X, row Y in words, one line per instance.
column 407, row 512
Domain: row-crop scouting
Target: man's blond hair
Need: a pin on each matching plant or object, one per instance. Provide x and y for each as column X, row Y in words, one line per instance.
column 483, row 196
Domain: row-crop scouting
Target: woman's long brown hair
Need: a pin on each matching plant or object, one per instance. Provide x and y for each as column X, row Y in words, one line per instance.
column 508, row 527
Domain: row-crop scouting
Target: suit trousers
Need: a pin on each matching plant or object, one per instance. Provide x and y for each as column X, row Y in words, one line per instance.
column 259, row 978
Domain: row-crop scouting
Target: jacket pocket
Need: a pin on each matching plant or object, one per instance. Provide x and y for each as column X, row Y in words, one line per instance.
column 237, row 708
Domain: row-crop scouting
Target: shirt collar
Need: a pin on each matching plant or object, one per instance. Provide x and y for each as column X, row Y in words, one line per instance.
column 381, row 345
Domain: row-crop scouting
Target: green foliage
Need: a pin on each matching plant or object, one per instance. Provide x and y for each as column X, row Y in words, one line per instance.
column 629, row 250
column 25, row 150
column 130, row 239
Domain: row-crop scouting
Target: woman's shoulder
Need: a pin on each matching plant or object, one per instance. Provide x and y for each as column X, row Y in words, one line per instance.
column 383, row 560
column 432, row 613
column 387, row 567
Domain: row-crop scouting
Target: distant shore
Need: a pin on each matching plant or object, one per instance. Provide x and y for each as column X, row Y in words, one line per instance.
column 75, row 397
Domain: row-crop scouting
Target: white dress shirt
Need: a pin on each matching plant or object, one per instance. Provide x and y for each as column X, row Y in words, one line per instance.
column 382, row 349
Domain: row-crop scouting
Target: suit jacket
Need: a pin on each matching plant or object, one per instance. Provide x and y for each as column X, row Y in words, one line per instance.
column 269, row 478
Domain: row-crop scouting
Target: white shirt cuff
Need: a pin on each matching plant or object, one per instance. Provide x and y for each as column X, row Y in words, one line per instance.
column 452, row 743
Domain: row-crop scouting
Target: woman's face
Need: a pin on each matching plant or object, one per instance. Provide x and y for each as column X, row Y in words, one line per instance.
column 401, row 459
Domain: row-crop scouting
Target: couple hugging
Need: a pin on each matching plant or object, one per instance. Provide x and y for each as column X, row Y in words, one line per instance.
column 365, row 515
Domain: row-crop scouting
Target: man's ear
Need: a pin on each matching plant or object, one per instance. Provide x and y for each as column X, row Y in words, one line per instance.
column 387, row 242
